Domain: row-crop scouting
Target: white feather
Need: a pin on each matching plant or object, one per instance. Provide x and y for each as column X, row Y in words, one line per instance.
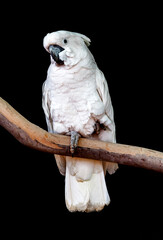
column 75, row 97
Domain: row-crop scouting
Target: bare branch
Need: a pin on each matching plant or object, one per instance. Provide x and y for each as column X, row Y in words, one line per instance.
column 37, row 138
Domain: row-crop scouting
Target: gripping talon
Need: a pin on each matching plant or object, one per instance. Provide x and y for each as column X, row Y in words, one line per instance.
column 74, row 141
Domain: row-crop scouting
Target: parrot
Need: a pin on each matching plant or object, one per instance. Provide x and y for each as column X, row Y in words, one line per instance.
column 77, row 103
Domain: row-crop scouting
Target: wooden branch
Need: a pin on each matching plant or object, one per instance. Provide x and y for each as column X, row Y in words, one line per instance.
column 37, row 138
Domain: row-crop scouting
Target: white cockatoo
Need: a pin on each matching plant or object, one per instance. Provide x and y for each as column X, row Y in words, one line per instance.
column 76, row 102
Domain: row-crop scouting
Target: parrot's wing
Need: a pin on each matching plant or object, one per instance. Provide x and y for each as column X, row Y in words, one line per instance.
column 109, row 134
column 46, row 104
column 103, row 91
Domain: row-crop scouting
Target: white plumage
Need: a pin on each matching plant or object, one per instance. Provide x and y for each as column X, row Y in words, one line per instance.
column 75, row 98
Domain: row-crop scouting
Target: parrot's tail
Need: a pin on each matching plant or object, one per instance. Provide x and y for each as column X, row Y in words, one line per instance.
column 89, row 192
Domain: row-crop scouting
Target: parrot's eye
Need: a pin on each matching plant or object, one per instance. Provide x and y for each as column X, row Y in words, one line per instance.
column 65, row 41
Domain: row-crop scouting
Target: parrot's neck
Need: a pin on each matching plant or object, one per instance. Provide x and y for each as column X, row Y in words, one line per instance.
column 85, row 69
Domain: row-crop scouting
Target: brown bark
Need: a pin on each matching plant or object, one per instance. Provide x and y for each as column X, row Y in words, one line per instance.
column 37, row 138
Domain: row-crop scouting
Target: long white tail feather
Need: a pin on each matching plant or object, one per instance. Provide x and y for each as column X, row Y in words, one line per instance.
column 76, row 194
column 86, row 195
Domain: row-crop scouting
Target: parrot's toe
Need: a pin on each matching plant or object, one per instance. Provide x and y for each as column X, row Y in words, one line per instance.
column 98, row 127
column 74, row 141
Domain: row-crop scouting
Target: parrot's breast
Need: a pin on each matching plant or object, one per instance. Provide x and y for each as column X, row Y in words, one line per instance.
column 72, row 99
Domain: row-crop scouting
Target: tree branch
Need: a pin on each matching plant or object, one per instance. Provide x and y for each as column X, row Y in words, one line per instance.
column 39, row 139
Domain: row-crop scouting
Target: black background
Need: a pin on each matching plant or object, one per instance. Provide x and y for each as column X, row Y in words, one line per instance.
column 126, row 45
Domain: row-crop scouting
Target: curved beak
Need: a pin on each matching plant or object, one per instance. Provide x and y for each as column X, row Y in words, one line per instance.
column 54, row 52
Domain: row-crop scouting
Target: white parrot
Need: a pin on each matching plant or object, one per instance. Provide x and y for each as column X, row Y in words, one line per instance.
column 76, row 102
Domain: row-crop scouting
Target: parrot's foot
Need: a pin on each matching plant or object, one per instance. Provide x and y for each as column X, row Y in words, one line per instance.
column 74, row 141
column 98, row 127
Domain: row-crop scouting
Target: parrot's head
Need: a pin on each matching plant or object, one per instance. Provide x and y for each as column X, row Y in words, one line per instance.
column 66, row 48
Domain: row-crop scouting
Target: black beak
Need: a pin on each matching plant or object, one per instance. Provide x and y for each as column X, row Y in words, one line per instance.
column 54, row 52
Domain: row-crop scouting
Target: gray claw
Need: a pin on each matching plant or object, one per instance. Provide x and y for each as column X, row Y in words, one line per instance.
column 74, row 141
column 97, row 128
